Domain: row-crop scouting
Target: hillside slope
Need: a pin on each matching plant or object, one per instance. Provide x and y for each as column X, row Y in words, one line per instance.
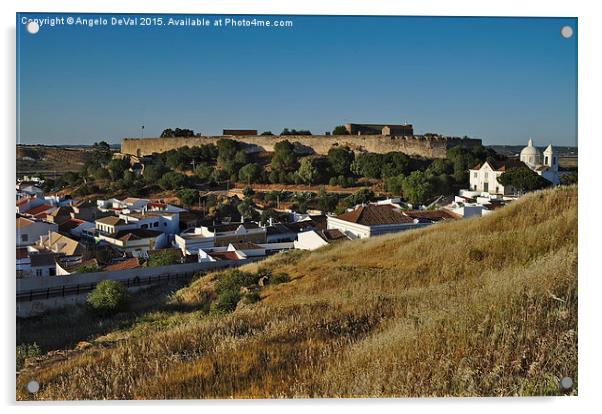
column 483, row 306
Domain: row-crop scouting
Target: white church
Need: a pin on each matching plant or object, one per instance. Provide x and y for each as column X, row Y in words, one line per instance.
column 483, row 177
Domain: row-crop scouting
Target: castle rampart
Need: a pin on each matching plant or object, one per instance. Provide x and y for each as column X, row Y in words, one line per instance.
column 425, row 146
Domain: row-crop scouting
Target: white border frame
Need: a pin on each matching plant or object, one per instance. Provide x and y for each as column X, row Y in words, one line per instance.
column 590, row 68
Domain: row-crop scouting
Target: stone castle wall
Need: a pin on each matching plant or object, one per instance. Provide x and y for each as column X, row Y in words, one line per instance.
column 428, row 147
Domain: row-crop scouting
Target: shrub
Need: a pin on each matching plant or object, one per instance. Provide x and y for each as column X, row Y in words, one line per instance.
column 87, row 268
column 164, row 258
column 252, row 297
column 234, row 280
column 226, row 301
column 108, row 297
column 279, row 278
column 25, row 351
column 476, row 255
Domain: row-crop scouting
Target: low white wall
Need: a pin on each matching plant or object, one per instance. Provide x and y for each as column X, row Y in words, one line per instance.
column 37, row 295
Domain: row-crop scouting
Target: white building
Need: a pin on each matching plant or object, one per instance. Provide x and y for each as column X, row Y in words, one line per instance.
column 192, row 240
column 545, row 164
column 314, row 239
column 30, row 230
column 372, row 220
column 484, row 177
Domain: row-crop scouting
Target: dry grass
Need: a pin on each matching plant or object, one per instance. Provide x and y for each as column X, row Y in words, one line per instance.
column 482, row 307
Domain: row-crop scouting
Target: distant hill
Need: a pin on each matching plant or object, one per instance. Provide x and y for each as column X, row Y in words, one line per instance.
column 515, row 150
column 477, row 307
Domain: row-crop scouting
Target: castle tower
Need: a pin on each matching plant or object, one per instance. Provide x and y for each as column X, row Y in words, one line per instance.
column 550, row 158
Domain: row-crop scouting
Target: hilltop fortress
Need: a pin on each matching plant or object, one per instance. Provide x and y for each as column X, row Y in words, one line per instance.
column 362, row 138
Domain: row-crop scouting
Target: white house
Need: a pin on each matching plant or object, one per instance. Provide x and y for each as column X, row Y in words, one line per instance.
column 30, row 230
column 246, row 249
column 113, row 224
column 191, row 241
column 234, row 232
column 314, row 239
column 372, row 220
column 35, row 262
column 136, row 241
column 484, row 177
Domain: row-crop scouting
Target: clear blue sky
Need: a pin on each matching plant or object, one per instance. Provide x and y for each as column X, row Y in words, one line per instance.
column 499, row 79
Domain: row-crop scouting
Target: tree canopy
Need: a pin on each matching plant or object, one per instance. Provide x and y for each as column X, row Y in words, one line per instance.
column 523, row 179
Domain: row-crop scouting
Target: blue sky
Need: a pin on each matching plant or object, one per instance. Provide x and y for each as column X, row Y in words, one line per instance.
column 499, row 79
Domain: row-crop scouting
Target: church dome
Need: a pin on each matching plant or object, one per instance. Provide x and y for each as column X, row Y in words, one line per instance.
column 530, row 155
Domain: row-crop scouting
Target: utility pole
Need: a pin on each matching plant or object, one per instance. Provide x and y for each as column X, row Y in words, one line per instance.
column 142, row 136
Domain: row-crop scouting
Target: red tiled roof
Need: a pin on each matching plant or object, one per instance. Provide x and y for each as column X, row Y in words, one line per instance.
column 245, row 245
column 502, row 165
column 332, row 235
column 22, row 201
column 39, row 209
column 435, row 215
column 135, row 234
column 224, row 255
column 374, row 215
column 70, row 224
column 123, row 265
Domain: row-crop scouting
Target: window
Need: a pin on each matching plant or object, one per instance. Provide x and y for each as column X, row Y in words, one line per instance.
column 145, row 226
column 52, row 271
column 486, row 175
column 24, row 237
column 476, row 174
column 156, row 224
column 38, row 272
column 164, row 224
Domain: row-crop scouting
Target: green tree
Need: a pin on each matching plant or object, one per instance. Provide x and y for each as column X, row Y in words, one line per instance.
column 87, row 268
column 117, row 166
column 100, row 173
column 178, row 132
column 368, row 165
column 308, row 172
column 164, row 258
column 394, row 184
column 395, row 163
column 361, row 196
column 284, row 159
column 416, row 188
column 247, row 210
column 188, row 196
column 440, row 166
column 101, row 153
column 152, row 173
column 523, row 179
column 226, row 149
column 203, row 171
column 108, row 297
column 340, row 130
column 340, row 159
column 327, row 202
column 249, row 173
column 172, row 180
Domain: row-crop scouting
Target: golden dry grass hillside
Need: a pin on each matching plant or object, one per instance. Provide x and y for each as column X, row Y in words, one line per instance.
column 479, row 307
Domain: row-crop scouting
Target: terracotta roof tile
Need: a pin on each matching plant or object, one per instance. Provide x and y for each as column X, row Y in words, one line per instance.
column 39, row 209
column 123, row 265
column 374, row 215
